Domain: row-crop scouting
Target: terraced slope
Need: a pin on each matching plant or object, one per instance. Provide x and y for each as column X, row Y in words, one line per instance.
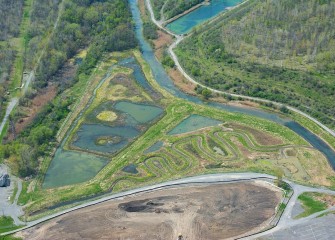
column 282, row 51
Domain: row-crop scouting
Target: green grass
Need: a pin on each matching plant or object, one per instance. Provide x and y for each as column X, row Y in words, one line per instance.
column 24, row 196
column 310, row 204
column 14, row 193
column 4, row 131
column 282, row 207
column 7, row 224
column 9, row 237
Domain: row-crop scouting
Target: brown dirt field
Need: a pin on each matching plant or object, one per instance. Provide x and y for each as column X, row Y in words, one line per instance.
column 327, row 199
column 216, row 211
column 262, row 138
column 37, row 103
column 245, row 103
column 143, row 10
column 161, row 43
column 181, row 82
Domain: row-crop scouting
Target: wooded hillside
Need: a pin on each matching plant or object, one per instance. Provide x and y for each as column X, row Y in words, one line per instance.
column 104, row 25
column 10, row 15
column 278, row 50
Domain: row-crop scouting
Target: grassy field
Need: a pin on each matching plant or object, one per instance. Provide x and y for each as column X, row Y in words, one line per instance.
column 314, row 202
column 7, row 224
column 240, row 143
column 258, row 50
column 4, row 131
column 9, row 237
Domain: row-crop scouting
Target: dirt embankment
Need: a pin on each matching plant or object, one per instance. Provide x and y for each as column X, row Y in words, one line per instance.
column 218, row 211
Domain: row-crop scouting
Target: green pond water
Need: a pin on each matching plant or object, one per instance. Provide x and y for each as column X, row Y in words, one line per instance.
column 131, row 168
column 158, row 145
column 118, row 137
column 70, row 167
column 142, row 113
column 110, row 139
column 187, row 22
column 192, row 123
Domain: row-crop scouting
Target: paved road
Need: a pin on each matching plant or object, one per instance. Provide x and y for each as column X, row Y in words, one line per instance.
column 179, row 38
column 286, row 221
column 316, row 229
column 6, row 207
column 9, row 109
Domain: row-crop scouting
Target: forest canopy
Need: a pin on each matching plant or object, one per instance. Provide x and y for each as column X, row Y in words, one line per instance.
column 277, row 50
column 100, row 25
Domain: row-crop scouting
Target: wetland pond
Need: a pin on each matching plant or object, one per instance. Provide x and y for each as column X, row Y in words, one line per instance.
column 131, row 119
column 193, row 123
column 110, row 139
column 155, row 147
column 70, row 167
column 185, row 23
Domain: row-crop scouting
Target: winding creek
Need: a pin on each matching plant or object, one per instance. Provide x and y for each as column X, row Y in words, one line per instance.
column 165, row 82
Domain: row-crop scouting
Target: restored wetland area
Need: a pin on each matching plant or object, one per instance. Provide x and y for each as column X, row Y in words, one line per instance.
column 224, row 138
column 136, row 128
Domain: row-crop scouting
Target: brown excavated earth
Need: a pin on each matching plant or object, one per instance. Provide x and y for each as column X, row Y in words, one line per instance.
column 217, row 211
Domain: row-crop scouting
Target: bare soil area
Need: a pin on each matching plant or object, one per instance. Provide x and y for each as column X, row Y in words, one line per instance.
column 216, row 211
column 161, row 43
column 261, row 137
column 37, row 103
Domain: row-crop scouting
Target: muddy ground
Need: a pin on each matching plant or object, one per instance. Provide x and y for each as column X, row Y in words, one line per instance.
column 218, row 211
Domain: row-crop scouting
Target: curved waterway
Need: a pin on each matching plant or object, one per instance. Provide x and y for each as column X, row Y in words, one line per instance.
column 185, row 23
column 165, row 82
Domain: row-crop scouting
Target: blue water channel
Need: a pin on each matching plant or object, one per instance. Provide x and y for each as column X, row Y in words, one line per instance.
column 185, row 23
column 164, row 81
